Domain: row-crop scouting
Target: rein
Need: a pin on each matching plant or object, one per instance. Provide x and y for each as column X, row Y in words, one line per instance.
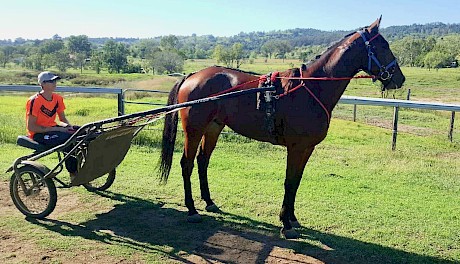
column 329, row 78
column 236, row 87
column 262, row 78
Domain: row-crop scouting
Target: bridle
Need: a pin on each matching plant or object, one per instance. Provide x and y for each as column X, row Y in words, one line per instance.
column 385, row 72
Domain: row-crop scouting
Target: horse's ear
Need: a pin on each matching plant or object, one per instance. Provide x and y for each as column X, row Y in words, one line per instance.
column 375, row 26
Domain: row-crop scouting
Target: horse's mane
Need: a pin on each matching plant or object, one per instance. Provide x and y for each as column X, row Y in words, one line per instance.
column 324, row 57
column 320, row 60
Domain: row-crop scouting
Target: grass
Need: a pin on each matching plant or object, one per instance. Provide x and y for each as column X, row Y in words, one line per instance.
column 357, row 197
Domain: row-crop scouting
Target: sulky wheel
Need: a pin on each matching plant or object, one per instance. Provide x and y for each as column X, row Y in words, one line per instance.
column 102, row 183
column 32, row 194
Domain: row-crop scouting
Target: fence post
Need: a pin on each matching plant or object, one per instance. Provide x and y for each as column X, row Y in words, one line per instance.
column 451, row 130
column 121, row 103
column 354, row 113
column 395, row 127
column 408, row 94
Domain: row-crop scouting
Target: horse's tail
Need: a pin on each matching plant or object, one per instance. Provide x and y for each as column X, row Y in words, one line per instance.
column 169, row 135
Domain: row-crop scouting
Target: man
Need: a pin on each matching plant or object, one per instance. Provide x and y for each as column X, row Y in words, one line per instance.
column 41, row 111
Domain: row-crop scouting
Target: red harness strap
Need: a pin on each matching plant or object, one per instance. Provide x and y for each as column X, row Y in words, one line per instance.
column 274, row 75
column 263, row 79
column 236, row 87
column 302, row 84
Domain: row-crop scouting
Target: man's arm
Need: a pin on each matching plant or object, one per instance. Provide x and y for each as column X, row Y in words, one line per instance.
column 32, row 126
column 63, row 119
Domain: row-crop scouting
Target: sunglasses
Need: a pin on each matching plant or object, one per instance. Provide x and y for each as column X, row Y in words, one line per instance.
column 50, row 81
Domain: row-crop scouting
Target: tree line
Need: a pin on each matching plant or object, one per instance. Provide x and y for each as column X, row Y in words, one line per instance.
column 431, row 45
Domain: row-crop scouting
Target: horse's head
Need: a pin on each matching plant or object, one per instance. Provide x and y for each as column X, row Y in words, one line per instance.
column 380, row 61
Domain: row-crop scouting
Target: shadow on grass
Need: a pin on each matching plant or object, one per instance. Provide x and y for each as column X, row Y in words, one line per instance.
column 150, row 227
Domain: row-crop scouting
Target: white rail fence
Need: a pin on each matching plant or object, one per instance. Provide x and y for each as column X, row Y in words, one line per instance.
column 353, row 100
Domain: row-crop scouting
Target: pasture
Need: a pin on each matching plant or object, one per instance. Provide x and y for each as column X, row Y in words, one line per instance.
column 359, row 202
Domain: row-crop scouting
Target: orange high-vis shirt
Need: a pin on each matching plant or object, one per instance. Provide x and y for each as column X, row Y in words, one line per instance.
column 45, row 111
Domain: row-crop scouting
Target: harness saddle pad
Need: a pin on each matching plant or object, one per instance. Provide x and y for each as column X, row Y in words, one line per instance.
column 105, row 153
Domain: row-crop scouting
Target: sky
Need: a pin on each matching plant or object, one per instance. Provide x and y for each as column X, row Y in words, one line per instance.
column 42, row 19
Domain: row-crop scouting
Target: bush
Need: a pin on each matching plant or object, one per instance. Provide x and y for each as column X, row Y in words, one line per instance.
column 82, row 112
column 132, row 68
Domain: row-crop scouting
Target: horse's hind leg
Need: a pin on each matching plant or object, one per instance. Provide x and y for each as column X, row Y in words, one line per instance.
column 190, row 146
column 208, row 143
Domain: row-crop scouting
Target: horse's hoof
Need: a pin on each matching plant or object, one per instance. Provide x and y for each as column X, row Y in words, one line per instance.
column 195, row 218
column 289, row 234
column 295, row 224
column 212, row 208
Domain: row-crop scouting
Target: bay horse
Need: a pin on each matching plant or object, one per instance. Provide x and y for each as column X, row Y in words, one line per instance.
column 299, row 121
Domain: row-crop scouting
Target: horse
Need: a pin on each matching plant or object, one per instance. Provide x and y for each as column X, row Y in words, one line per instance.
column 297, row 116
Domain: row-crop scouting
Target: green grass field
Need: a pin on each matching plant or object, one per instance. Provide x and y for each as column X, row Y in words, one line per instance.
column 359, row 202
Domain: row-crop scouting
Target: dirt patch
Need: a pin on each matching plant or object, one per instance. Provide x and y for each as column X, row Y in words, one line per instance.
column 388, row 124
column 151, row 84
column 17, row 248
column 449, row 155
column 6, row 204
column 231, row 248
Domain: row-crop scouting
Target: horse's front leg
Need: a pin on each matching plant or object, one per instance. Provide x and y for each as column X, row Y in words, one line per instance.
column 296, row 160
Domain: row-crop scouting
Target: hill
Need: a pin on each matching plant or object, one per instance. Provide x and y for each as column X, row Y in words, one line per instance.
column 297, row 37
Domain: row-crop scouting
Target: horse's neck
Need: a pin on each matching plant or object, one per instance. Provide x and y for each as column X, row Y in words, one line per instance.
column 331, row 91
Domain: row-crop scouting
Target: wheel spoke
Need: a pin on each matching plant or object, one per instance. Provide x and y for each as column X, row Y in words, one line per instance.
column 32, row 194
column 36, row 197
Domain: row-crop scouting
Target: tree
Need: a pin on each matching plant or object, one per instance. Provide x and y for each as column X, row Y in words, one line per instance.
column 80, row 48
column 309, row 53
column 48, row 53
column 145, row 48
column 237, row 54
column 62, row 60
column 32, row 58
column 97, row 60
column 410, row 50
column 51, row 45
column 435, row 59
column 450, row 46
column 269, row 48
column 221, row 54
column 169, row 43
column 6, row 54
column 279, row 47
column 115, row 56
column 167, row 61
column 283, row 47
